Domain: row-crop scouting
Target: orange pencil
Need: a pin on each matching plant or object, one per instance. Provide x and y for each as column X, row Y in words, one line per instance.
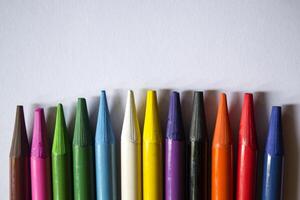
column 222, row 155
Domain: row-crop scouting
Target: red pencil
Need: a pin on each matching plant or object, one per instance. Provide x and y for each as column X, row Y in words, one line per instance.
column 247, row 153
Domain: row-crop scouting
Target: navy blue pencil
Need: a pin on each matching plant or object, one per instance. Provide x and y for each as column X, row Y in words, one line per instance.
column 273, row 161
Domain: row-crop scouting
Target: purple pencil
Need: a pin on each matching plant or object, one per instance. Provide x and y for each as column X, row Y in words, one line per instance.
column 174, row 152
column 40, row 159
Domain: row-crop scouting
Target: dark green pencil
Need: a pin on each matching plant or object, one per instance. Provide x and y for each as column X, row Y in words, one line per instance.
column 61, row 159
column 83, row 155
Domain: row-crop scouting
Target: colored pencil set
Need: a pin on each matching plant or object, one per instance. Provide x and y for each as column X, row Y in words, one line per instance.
column 153, row 166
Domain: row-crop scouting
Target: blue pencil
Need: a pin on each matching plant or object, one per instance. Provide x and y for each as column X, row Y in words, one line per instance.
column 105, row 154
column 273, row 161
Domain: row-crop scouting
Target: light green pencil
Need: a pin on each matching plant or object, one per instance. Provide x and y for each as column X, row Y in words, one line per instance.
column 61, row 159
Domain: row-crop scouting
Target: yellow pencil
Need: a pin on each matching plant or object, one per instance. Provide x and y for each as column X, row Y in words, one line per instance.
column 152, row 151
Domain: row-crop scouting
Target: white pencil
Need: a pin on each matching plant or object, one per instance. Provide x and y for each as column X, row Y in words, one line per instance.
column 131, row 157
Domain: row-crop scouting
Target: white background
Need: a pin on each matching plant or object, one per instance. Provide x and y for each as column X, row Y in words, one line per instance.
column 56, row 51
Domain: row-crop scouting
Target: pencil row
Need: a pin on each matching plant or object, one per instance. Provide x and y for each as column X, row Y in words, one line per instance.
column 152, row 167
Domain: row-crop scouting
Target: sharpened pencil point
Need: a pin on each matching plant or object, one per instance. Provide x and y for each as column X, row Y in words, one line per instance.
column 247, row 133
column 222, row 134
column 60, row 140
column 151, row 123
column 19, row 145
column 104, row 132
column 40, row 146
column 130, row 129
column 198, row 123
column 82, row 133
column 175, row 126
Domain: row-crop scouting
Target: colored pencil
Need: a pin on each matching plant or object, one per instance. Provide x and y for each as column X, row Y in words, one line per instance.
column 222, row 155
column 273, row 161
column 105, row 149
column 40, row 159
column 19, row 160
column 152, row 151
column 83, row 155
column 175, row 152
column 61, row 159
column 131, row 153
column 247, row 153
column 197, row 150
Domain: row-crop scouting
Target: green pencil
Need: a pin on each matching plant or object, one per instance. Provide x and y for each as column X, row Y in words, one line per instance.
column 61, row 159
column 83, row 155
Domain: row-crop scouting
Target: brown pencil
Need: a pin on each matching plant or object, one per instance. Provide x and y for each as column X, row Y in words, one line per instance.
column 19, row 160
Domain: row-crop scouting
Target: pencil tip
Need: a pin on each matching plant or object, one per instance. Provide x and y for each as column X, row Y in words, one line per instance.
column 198, row 129
column 152, row 130
column 247, row 132
column 130, row 94
column 151, row 95
column 104, row 131
column 222, row 134
column 19, row 145
column 19, row 110
column 223, row 99
column 82, row 132
column 40, row 146
column 60, row 140
column 59, row 112
column 174, row 126
column 81, row 102
column 274, row 144
column 130, row 128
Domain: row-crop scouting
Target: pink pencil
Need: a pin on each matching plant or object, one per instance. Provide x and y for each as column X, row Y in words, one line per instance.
column 40, row 159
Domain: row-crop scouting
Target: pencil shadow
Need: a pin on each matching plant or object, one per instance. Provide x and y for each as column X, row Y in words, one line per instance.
column 71, row 121
column 93, row 107
column 235, row 108
column 140, row 101
column 291, row 146
column 163, row 108
column 261, row 111
column 50, row 122
column 186, row 110
column 69, row 112
column 117, row 111
column 117, row 114
column 211, row 107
